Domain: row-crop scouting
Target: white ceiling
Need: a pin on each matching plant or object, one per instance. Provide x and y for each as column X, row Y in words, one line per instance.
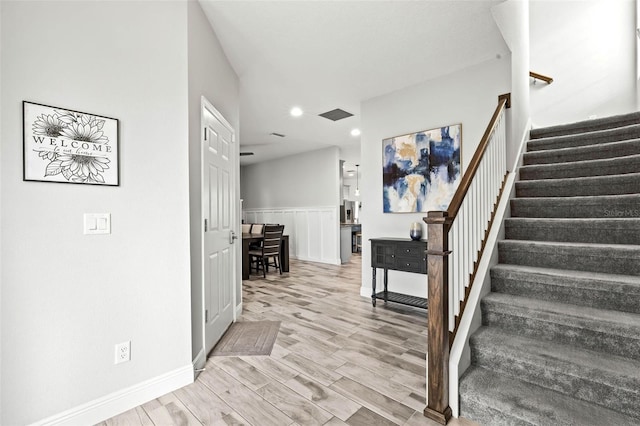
column 321, row 55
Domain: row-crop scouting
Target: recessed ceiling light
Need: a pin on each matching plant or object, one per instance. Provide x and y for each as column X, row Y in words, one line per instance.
column 296, row 111
column 355, row 132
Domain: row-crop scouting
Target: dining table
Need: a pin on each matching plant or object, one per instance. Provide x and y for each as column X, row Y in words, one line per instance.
column 247, row 239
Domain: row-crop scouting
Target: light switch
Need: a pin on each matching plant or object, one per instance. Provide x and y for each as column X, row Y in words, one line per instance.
column 97, row 223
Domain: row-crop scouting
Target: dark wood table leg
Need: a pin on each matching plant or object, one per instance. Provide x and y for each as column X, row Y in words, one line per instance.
column 373, row 288
column 386, row 274
column 284, row 253
column 245, row 259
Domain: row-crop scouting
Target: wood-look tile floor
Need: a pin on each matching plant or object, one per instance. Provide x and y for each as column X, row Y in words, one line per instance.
column 336, row 361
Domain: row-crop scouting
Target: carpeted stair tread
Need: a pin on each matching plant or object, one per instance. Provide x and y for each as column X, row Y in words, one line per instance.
column 602, row 206
column 494, row 400
column 582, row 139
column 582, row 153
column 608, row 258
column 560, row 337
column 591, row 376
column 602, row 330
column 597, row 290
column 576, row 230
column 586, row 168
column 584, row 126
column 572, row 187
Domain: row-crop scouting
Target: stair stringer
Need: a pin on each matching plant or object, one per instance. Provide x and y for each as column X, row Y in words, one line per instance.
column 471, row 320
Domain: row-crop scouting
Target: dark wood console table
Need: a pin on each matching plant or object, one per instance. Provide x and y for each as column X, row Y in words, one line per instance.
column 398, row 254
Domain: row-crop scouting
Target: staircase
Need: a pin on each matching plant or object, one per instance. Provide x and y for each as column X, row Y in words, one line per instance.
column 560, row 340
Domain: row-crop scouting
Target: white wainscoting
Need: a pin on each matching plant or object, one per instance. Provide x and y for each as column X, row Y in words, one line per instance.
column 314, row 232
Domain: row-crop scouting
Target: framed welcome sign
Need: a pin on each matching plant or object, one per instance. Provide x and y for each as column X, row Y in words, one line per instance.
column 66, row 146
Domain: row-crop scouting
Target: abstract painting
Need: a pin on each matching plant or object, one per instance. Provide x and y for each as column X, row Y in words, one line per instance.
column 421, row 171
column 66, row 146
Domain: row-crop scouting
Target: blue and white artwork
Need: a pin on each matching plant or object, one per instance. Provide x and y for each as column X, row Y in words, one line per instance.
column 421, row 171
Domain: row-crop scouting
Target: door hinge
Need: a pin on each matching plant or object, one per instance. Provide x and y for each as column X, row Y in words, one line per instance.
column 206, row 315
column 205, row 225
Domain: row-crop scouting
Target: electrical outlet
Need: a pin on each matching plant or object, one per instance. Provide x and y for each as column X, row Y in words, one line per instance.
column 123, row 352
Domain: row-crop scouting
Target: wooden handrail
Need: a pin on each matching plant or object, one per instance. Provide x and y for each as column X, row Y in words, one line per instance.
column 465, row 183
column 541, row 77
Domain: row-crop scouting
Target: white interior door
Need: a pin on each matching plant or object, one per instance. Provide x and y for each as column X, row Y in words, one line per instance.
column 218, row 211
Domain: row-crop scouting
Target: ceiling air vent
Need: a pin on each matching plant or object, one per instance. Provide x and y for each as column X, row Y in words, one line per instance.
column 243, row 154
column 336, row 114
column 280, row 135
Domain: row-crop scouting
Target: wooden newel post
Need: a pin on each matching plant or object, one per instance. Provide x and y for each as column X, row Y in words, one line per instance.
column 438, row 409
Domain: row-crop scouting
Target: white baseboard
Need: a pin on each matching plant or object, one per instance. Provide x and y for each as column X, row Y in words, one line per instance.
column 365, row 292
column 316, row 260
column 100, row 409
column 238, row 310
column 199, row 361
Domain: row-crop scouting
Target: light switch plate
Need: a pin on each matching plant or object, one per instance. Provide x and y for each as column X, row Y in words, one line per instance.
column 97, row 223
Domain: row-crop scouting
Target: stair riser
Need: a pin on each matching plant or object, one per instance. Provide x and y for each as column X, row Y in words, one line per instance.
column 567, row 333
column 546, row 289
column 582, row 169
column 602, row 137
column 613, row 150
column 587, row 126
column 578, row 232
column 579, row 384
column 621, row 260
column 597, row 207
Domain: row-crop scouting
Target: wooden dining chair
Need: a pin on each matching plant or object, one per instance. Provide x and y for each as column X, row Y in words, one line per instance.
column 270, row 249
column 246, row 228
column 256, row 229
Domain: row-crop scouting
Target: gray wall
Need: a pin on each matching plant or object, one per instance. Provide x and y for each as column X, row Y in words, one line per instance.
column 469, row 97
column 210, row 75
column 67, row 298
column 303, row 180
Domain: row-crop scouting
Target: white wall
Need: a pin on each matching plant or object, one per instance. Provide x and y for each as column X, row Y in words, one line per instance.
column 469, row 97
column 67, row 298
column 588, row 47
column 211, row 75
column 302, row 180
column 0, row 215
column 512, row 18
column 298, row 183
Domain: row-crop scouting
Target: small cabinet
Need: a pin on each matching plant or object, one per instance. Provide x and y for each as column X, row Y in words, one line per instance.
column 384, row 255
column 398, row 254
